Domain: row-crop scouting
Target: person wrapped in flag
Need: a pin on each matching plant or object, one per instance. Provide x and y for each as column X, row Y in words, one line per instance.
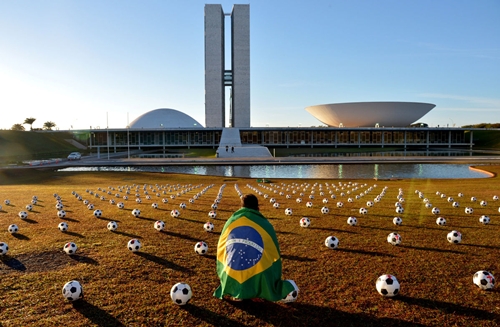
column 248, row 258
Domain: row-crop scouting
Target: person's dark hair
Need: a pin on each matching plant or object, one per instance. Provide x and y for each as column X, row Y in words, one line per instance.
column 250, row 201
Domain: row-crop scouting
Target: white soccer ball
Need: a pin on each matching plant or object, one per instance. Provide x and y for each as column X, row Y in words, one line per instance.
column 400, row 210
column 450, row 199
column 387, row 285
column 175, row 213
column 369, row 204
column 214, row 206
column 112, row 226
column 13, row 229
column 495, row 197
column 483, row 203
column 397, row 221
column 428, row 205
column 292, row 296
column 299, row 200
column 23, row 214
column 159, row 225
column 97, row 213
column 350, row 200
column 111, row 201
column 436, row 211
column 181, row 293
column 164, row 200
column 272, row 200
column 325, row 210
column 485, row 220
column 72, row 291
column 7, row 202
column 352, row 221
column 136, row 213
column 61, row 214
column 212, row 214
column 473, row 199
column 469, row 210
column 208, row 226
column 201, row 248
column 325, row 200
column 4, row 248
column 363, row 211
column 305, row 222
column 484, row 280
column 134, row 245
column 394, row 238
column 59, row 206
column 309, row 204
column 340, row 204
column 154, row 205
column 276, row 205
column 29, row 207
column 332, row 242
column 454, row 237
column 70, row 248
column 120, row 205
column 63, row 227
column 460, row 195
column 455, row 204
column 441, row 221
column 182, row 205
column 311, row 197
column 288, row 211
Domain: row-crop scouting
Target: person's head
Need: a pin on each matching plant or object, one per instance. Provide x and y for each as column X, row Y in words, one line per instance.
column 250, row 201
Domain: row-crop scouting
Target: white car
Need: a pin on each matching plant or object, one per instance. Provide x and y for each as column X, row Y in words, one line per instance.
column 75, row 156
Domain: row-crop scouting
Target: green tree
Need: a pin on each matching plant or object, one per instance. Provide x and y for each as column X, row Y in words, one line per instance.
column 17, row 127
column 48, row 125
column 29, row 121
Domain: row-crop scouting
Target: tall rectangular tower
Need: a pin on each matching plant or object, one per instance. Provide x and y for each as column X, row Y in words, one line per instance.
column 217, row 77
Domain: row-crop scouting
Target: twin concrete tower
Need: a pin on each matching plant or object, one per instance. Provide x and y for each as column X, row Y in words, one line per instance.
column 218, row 78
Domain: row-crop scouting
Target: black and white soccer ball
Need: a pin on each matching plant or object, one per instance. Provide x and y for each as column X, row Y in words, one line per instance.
column 288, row 211
column 397, row 221
column 97, row 213
column 212, row 214
column 120, row 205
column 208, row 226
column 175, row 213
column 276, row 205
column 72, row 291
column 325, row 201
column 138, row 200
column 63, row 227
column 460, row 195
column 305, row 222
column 201, row 248
column 13, row 229
column 387, row 285
column 363, row 211
column 400, row 210
column 369, row 203
column 70, row 248
column 454, row 237
column 484, row 280
column 485, row 220
column 428, row 205
column 164, row 200
column 469, row 210
column 352, row 221
column 134, row 245
column 298, row 200
column 59, row 206
column 136, row 213
column 495, row 197
column 214, row 206
column 441, row 221
column 29, row 207
column 455, row 204
column 181, row 293
column 4, row 248
column 112, row 226
column 483, row 203
column 394, row 239
column 182, row 205
column 125, row 197
column 272, row 200
column 154, row 205
column 111, row 201
column 7, row 202
column 309, row 204
column 23, row 214
column 325, row 210
column 61, row 213
column 340, row 204
column 473, row 199
column 332, row 242
column 450, row 199
column 292, row 296
column 159, row 225
column 436, row 211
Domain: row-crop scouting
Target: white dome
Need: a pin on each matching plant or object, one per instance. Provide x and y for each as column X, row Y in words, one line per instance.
column 165, row 118
column 367, row 114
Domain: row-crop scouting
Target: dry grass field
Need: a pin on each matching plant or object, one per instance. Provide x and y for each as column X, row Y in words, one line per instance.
column 337, row 287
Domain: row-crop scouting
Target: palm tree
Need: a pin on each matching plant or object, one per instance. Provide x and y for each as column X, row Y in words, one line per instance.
column 29, row 121
column 17, row 127
column 48, row 125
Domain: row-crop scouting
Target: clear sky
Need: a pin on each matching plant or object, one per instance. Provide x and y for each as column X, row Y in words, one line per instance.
column 105, row 62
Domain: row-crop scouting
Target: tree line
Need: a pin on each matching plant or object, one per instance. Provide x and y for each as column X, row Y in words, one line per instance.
column 48, row 125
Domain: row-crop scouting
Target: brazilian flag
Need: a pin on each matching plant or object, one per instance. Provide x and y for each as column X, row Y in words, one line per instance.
column 248, row 259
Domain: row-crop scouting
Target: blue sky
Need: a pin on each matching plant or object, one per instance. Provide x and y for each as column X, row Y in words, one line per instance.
column 104, row 63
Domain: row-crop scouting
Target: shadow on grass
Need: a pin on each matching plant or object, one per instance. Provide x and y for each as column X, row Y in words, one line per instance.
column 30, row 221
column 74, row 234
column 83, row 259
column 481, row 246
column 185, row 237
column 71, row 219
column 285, row 233
column 372, row 253
column 190, row 220
column 21, row 237
column 449, row 308
column 296, row 258
column 334, row 230
column 96, row 315
column 13, row 263
column 163, row 262
column 125, row 234
column 147, row 218
column 430, row 249
column 379, row 228
column 211, row 317
column 423, row 227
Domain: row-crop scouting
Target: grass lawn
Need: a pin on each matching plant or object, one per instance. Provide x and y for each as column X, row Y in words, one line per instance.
column 337, row 287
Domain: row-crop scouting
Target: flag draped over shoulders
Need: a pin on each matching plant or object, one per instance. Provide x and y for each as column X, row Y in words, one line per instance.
column 248, row 259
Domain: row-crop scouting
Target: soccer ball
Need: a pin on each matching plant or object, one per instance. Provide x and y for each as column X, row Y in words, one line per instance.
column 485, row 220
column 455, row 204
column 164, row 200
column 70, row 248
column 59, row 206
column 159, row 225
column 138, row 200
column 276, row 205
column 369, row 204
column 394, row 238
column 469, row 210
column 97, row 213
column 450, row 199
column 154, row 205
column 212, row 214
column 484, row 280
column 436, row 211
column 288, row 211
column 397, row 221
column 72, row 291
column 305, row 222
column 112, row 226
column 483, row 203
column 272, row 200
column 61, row 214
column 120, row 205
column 473, row 199
column 325, row 200
column 363, row 211
column 181, row 293
column 23, row 214
column 352, row 221
column 134, row 245
column 214, row 206
column 325, row 210
column 441, row 221
column 208, row 227
column 332, row 242
column 4, row 248
column 29, row 207
column 400, row 210
column 340, row 204
column 136, row 213
column 201, row 248
column 175, row 213
column 311, row 197
column 428, row 205
column 182, row 205
column 309, row 204
column 13, row 229
column 299, row 200
column 111, row 201
column 7, row 202
column 387, row 285
column 495, row 197
column 454, row 237
column 62, row 227
column 292, row 296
